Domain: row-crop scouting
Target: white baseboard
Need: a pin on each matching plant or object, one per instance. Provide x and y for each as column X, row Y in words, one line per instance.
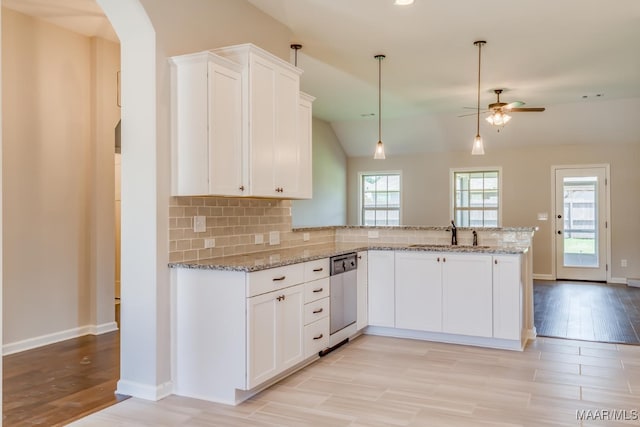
column 619, row 280
column 103, row 328
column 144, row 391
column 543, row 277
column 42, row 340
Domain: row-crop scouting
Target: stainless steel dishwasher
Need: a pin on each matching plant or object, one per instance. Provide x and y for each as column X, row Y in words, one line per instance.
column 343, row 291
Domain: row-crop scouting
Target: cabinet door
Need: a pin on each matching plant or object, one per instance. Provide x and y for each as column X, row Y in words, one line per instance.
column 225, row 132
column 467, row 295
column 287, row 146
column 507, row 297
column 262, row 344
column 262, row 129
column 419, row 291
column 304, row 138
column 381, row 288
column 361, row 279
column 290, row 323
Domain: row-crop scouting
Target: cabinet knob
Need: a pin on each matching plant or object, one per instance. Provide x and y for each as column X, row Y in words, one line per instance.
column 241, row 188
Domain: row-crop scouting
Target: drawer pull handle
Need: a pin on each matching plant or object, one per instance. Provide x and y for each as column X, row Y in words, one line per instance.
column 318, row 337
column 281, row 297
column 279, row 279
column 317, row 311
column 444, row 259
column 317, row 270
column 315, row 291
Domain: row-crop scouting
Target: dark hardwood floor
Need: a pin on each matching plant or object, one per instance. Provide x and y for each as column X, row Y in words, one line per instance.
column 587, row 311
column 59, row 383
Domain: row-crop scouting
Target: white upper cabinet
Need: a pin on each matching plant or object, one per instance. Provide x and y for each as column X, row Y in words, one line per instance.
column 273, row 128
column 241, row 126
column 207, row 126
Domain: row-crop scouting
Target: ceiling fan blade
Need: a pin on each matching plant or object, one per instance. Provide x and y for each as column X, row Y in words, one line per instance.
column 525, row 110
column 513, row 104
column 473, row 114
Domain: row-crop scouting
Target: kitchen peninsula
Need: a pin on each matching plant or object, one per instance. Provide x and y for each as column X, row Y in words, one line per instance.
column 244, row 321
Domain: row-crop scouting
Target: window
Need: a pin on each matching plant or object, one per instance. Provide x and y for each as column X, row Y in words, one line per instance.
column 476, row 197
column 380, row 198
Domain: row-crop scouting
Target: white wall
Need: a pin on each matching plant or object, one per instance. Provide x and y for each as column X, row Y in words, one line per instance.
column 49, row 192
column 526, row 191
column 329, row 203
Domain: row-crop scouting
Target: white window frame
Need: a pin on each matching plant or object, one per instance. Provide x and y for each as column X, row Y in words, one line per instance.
column 452, row 195
column 361, row 190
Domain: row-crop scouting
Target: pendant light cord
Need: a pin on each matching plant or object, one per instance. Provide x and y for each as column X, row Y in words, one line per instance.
column 479, row 43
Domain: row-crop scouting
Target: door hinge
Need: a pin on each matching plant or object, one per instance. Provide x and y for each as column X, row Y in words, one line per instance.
column 606, row 224
column 605, row 181
column 606, row 267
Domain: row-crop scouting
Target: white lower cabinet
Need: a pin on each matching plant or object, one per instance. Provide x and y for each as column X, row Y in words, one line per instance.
column 381, row 292
column 467, row 295
column 362, row 318
column 418, row 299
column 507, row 297
column 274, row 333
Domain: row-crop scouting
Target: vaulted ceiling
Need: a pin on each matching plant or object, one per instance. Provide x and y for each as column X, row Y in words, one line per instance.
column 577, row 58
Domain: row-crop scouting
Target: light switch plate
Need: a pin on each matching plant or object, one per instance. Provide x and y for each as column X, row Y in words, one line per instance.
column 209, row 243
column 305, row 237
column 543, row 216
column 274, row 238
column 199, row 224
column 259, row 239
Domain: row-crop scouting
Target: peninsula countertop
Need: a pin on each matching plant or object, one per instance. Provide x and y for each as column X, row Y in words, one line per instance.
column 257, row 261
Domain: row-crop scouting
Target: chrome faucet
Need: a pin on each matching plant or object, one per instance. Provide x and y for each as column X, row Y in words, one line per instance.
column 454, row 233
column 475, row 238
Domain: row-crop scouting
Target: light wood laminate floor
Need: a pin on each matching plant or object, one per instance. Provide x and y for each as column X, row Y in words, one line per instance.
column 378, row 381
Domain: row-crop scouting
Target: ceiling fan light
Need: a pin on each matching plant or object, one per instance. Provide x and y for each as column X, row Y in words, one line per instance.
column 498, row 119
column 478, row 146
column 379, row 154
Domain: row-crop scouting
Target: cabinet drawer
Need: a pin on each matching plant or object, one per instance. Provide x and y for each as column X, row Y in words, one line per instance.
column 316, row 310
column 316, row 290
column 317, row 269
column 316, row 337
column 260, row 282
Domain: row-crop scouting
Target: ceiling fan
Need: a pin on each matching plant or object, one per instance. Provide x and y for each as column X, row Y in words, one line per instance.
column 499, row 110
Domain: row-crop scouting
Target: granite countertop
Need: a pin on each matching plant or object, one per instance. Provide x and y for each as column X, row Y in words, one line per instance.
column 411, row 228
column 277, row 258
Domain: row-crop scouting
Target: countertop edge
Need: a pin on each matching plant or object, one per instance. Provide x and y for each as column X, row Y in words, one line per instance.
column 412, row 227
column 218, row 264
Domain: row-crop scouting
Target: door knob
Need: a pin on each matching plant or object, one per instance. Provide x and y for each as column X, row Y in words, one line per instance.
column 559, row 232
column 559, row 216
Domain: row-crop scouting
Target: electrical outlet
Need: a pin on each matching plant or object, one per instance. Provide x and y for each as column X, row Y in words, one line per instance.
column 373, row 234
column 305, row 237
column 274, row 238
column 199, row 224
column 259, row 239
column 623, row 263
column 209, row 243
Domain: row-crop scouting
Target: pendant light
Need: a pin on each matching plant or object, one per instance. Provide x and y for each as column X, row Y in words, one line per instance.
column 478, row 147
column 379, row 154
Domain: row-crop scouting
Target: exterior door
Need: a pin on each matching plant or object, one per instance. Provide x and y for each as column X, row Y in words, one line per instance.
column 580, row 223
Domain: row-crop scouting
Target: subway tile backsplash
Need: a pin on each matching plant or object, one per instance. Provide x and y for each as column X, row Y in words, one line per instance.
column 234, row 224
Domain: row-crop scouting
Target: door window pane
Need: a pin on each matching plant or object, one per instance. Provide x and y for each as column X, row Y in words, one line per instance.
column 580, row 221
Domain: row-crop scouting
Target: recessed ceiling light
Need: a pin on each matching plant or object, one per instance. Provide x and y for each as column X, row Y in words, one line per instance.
column 403, row 2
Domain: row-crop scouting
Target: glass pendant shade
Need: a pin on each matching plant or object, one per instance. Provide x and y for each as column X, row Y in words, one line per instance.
column 379, row 154
column 478, row 146
column 498, row 119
